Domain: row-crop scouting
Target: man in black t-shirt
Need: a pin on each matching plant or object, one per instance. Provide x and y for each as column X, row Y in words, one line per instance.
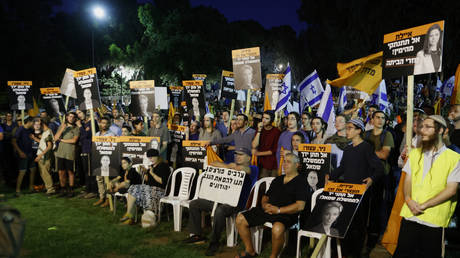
column 281, row 205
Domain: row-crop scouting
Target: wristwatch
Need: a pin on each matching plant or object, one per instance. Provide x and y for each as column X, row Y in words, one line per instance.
column 279, row 210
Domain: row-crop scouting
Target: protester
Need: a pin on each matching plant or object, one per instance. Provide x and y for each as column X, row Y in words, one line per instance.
column 370, row 111
column 104, row 126
column 128, row 176
column 319, row 127
column 67, row 136
column 306, row 125
column 432, row 176
column 265, row 142
column 340, row 137
column 148, row 195
column 242, row 163
column 454, row 116
column 193, row 133
column 117, row 124
column 126, row 130
column 44, row 156
column 138, row 128
column 242, row 137
column 284, row 141
column 359, row 165
column 84, row 125
column 22, row 143
column 281, row 205
column 158, row 129
column 9, row 159
column 222, row 125
column 297, row 139
column 208, row 132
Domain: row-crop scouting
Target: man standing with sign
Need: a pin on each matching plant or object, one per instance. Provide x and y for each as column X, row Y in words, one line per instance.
column 242, row 163
column 281, row 205
column 359, row 165
column 432, row 176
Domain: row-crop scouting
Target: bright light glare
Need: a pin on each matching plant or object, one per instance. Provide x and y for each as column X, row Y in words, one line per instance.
column 280, row 66
column 99, row 12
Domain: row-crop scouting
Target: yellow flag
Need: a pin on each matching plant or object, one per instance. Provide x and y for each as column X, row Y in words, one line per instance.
column 171, row 113
column 437, row 107
column 34, row 111
column 267, row 105
column 212, row 155
column 364, row 74
column 455, row 99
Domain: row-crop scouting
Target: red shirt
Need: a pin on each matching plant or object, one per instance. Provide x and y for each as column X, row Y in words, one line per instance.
column 268, row 141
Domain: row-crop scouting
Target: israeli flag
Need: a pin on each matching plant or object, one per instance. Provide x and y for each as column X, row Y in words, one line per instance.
column 342, row 99
column 447, row 87
column 380, row 98
column 311, row 91
column 285, row 92
column 326, row 110
column 438, row 85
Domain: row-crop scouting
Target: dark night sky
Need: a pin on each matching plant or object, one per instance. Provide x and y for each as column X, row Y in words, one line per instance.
column 269, row 13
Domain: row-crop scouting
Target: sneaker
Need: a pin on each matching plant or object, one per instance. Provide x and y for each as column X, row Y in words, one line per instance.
column 90, row 196
column 128, row 222
column 212, row 249
column 126, row 217
column 101, row 201
column 195, row 239
column 51, row 192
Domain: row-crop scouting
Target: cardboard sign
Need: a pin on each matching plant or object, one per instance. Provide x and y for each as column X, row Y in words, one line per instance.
column 335, row 209
column 227, row 89
column 87, row 88
column 273, row 86
column 176, row 96
column 194, row 97
column 177, row 135
column 53, row 101
column 246, row 66
column 135, row 148
column 194, row 153
column 222, row 185
column 413, row 51
column 105, row 156
column 201, row 77
column 161, row 98
column 68, row 84
column 20, row 95
column 142, row 98
column 315, row 162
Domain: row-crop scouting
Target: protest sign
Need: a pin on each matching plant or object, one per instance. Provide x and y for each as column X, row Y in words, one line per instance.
column 201, row 77
column 315, row 162
column 194, row 97
column 20, row 95
column 194, row 153
column 413, row 51
column 176, row 95
column 68, row 84
column 177, row 135
column 273, row 86
column 142, row 98
column 246, row 68
column 335, row 208
column 87, row 89
column 161, row 98
column 227, row 89
column 135, row 148
column 105, row 156
column 53, row 101
column 222, row 185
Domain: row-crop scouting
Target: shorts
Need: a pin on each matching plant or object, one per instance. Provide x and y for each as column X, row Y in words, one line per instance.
column 64, row 164
column 256, row 217
column 27, row 163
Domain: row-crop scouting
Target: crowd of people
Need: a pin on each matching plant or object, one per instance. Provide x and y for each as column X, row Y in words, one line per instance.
column 374, row 154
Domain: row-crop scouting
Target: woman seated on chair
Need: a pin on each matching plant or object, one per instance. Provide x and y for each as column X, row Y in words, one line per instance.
column 148, row 194
column 128, row 176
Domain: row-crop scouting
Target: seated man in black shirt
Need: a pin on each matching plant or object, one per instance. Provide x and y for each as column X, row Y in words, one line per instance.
column 281, row 205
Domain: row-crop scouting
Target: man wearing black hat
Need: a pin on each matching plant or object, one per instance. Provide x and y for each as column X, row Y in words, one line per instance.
column 242, row 163
column 359, row 165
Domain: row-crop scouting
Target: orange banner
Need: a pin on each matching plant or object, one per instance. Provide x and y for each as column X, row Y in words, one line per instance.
column 192, row 83
column 315, row 147
column 194, row 143
column 345, row 188
column 55, row 90
column 84, row 72
column 141, row 84
column 19, row 83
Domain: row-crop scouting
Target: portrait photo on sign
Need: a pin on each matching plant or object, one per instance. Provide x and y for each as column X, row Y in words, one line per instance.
column 429, row 58
column 55, row 107
column 142, row 104
column 20, row 96
column 108, row 165
column 248, row 76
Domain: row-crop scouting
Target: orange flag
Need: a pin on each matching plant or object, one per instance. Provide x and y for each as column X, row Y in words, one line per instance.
column 390, row 238
column 267, row 105
column 212, row 155
column 254, row 160
column 455, row 99
column 33, row 112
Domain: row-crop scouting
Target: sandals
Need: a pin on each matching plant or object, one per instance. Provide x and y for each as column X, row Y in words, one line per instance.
column 246, row 255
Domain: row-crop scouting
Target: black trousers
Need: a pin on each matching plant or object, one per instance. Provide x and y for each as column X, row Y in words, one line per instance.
column 356, row 235
column 90, row 181
column 222, row 212
column 417, row 240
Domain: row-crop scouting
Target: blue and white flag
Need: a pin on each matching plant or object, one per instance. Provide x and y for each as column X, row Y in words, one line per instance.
column 285, row 90
column 438, row 85
column 447, row 87
column 326, row 110
column 342, row 99
column 311, row 91
column 380, row 98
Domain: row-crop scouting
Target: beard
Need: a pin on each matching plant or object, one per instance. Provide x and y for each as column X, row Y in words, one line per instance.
column 430, row 143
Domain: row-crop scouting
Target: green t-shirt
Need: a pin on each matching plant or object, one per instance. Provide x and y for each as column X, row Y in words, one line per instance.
column 67, row 150
column 387, row 141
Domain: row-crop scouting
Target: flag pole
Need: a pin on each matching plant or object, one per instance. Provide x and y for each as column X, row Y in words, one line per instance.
column 409, row 111
column 22, row 116
column 232, row 109
column 248, row 102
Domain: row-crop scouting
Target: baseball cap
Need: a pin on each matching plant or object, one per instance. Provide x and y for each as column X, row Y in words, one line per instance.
column 243, row 150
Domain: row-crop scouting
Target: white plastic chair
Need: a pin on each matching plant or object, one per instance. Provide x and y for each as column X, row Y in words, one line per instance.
column 186, row 203
column 258, row 231
column 187, row 174
column 326, row 253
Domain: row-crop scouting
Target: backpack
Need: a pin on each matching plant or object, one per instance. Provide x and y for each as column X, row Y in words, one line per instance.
column 11, row 231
